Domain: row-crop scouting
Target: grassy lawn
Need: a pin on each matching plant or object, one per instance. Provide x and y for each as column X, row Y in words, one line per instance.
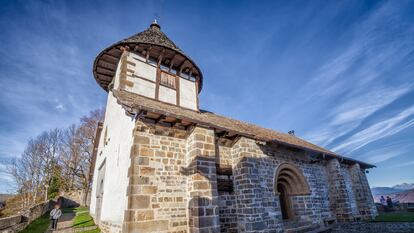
column 83, row 219
column 39, row 225
column 91, row 231
column 395, row 217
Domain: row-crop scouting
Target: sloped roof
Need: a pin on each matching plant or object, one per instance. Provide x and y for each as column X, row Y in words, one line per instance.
column 134, row 101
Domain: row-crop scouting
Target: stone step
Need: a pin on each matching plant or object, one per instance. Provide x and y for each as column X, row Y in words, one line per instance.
column 295, row 224
column 321, row 230
column 303, row 229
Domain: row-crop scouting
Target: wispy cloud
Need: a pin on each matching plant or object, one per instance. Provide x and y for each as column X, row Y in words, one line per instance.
column 349, row 114
column 379, row 130
column 406, row 164
column 359, row 83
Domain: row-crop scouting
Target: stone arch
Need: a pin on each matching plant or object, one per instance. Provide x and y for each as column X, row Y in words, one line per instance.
column 288, row 181
column 294, row 180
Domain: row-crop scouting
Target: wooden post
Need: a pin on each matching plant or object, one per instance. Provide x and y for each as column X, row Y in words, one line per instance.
column 177, row 89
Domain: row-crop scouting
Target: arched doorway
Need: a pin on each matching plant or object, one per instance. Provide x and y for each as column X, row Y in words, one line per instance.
column 289, row 181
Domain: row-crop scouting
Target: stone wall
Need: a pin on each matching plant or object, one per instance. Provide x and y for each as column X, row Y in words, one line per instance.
column 228, row 212
column 17, row 223
column 202, row 181
column 173, row 185
column 257, row 206
column 339, row 197
column 157, row 191
column 374, row 227
column 362, row 191
column 12, row 224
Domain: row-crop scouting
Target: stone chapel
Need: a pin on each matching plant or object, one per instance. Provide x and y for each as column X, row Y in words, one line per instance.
column 162, row 164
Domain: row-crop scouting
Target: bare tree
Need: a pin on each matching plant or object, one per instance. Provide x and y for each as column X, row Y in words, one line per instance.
column 63, row 155
column 86, row 138
column 77, row 156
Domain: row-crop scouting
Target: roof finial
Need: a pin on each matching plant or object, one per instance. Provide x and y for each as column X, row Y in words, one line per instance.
column 155, row 25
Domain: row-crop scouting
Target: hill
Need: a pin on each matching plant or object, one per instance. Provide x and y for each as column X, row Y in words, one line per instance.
column 4, row 197
column 403, row 196
column 384, row 190
column 404, row 186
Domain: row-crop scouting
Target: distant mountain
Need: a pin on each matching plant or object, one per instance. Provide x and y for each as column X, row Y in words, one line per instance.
column 384, row 190
column 401, row 192
column 404, row 186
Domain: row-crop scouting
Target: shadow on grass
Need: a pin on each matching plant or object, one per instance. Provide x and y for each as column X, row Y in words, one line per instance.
column 68, row 210
column 82, row 218
column 39, row 225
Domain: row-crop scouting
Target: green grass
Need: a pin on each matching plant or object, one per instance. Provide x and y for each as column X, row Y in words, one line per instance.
column 39, row 225
column 82, row 218
column 395, row 217
column 68, row 210
column 81, row 209
column 91, row 231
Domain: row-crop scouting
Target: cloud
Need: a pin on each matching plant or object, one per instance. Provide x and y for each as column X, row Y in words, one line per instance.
column 406, row 164
column 378, row 131
column 361, row 82
column 348, row 115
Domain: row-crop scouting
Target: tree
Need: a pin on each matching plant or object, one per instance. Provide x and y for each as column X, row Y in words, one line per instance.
column 58, row 159
column 77, row 156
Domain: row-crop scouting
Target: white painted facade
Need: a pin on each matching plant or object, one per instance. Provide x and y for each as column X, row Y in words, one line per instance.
column 168, row 95
column 188, row 94
column 114, row 156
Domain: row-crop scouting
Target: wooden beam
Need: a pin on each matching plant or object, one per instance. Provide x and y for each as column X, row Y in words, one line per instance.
column 172, row 61
column 191, row 72
column 177, row 89
column 161, row 117
column 110, row 58
column 104, row 71
column 148, row 53
column 104, row 78
column 157, row 83
column 141, row 114
column 177, row 121
column 181, row 66
column 107, row 65
column 197, row 102
column 160, row 57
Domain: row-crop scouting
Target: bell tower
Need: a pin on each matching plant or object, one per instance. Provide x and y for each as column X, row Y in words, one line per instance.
column 149, row 64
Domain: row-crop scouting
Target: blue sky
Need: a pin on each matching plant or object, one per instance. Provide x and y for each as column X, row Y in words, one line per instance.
column 340, row 73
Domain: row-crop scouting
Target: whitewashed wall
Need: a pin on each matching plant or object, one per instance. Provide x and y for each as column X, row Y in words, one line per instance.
column 167, row 95
column 145, row 85
column 188, row 94
column 119, row 131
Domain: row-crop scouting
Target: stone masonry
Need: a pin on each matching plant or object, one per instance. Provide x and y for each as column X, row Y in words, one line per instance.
column 173, row 185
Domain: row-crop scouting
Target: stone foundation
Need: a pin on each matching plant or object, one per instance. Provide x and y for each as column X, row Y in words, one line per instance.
column 374, row 227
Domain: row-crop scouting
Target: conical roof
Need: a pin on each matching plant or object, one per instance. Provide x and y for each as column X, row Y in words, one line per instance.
column 152, row 41
column 152, row 35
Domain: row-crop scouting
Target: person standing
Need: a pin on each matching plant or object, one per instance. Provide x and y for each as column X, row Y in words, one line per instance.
column 54, row 216
column 382, row 200
column 389, row 203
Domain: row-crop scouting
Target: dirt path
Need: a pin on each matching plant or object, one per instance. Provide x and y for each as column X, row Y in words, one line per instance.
column 64, row 224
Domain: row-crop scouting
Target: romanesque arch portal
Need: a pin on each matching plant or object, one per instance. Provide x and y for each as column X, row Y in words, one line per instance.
column 289, row 181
